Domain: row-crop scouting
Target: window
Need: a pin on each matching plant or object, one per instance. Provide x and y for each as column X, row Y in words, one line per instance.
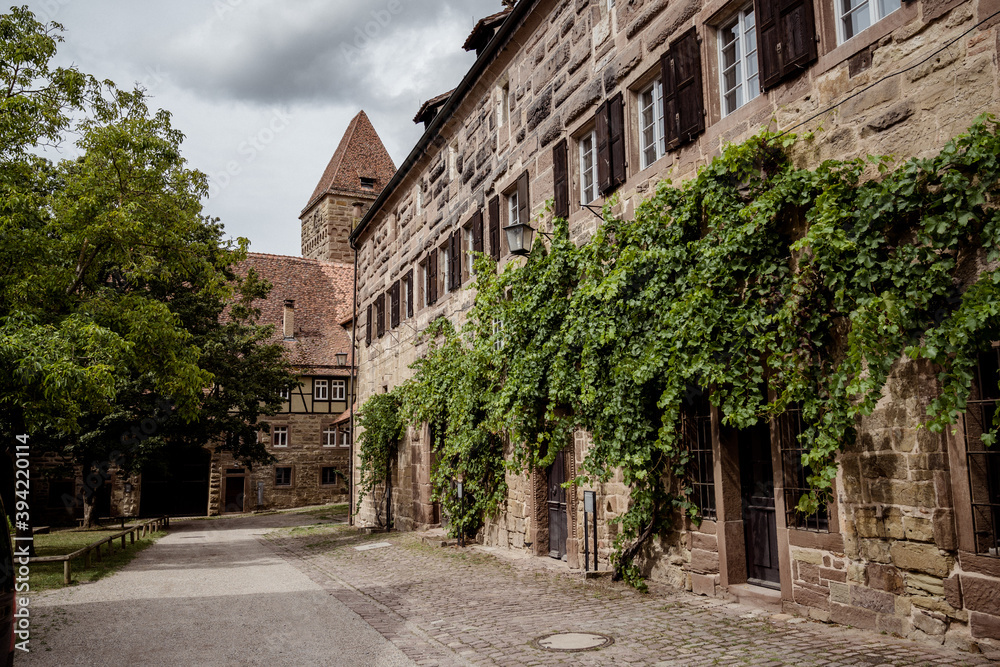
column 285, row 393
column 795, row 474
column 444, row 258
column 345, row 436
column 321, row 390
column 367, row 183
column 339, row 389
column 279, row 436
column 330, row 436
column 512, row 218
column 738, row 59
column 394, row 303
column 696, row 430
column 982, row 461
column 588, row 168
column 380, row 315
column 856, row 15
column 498, row 338
column 406, row 286
column 282, row 476
column 651, row 144
column 330, row 476
column 467, row 250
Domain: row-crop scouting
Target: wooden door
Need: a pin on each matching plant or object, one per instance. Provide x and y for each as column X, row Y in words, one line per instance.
column 759, row 519
column 557, row 507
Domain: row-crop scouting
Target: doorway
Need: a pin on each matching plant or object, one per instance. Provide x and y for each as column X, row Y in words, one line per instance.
column 556, row 474
column 760, row 529
column 235, row 490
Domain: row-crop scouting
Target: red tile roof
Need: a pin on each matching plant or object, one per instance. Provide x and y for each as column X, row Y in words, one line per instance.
column 323, row 294
column 360, row 154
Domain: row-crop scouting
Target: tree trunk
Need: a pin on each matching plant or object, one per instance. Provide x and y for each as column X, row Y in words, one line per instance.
column 89, row 518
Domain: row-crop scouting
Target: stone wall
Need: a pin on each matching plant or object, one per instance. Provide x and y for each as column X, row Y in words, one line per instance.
column 327, row 225
column 890, row 560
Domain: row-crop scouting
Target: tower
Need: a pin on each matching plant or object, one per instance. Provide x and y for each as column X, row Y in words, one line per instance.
column 356, row 174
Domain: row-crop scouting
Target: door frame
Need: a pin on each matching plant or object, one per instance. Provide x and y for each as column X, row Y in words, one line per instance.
column 226, row 476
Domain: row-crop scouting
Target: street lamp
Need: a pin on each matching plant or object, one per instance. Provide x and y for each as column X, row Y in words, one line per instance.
column 519, row 238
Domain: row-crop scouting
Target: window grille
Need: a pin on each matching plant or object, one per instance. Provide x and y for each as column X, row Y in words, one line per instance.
column 984, row 462
column 795, row 474
column 696, row 425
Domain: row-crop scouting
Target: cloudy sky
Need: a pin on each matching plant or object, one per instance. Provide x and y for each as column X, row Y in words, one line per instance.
column 264, row 89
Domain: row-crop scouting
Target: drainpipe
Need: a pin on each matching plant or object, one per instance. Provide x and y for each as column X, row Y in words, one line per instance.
column 354, row 376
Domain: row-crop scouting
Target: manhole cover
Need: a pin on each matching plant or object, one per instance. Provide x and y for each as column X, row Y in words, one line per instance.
column 572, row 641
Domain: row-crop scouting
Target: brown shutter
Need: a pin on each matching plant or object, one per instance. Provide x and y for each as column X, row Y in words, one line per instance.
column 432, row 277
column 786, row 36
column 603, row 149
column 560, row 177
column 409, row 293
column 683, row 101
column 380, row 315
column 477, row 231
column 523, row 205
column 455, row 260
column 394, row 305
column 494, row 213
column 368, row 326
column 616, row 139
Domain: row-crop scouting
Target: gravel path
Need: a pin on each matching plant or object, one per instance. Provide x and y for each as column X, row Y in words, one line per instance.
column 209, row 593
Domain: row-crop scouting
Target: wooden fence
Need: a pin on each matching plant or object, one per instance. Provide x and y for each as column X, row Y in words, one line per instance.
column 143, row 528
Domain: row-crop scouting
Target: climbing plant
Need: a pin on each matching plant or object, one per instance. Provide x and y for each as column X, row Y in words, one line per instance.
column 761, row 282
column 378, row 443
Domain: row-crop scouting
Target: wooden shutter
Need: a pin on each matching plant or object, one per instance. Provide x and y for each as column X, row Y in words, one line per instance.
column 394, row 305
column 432, row 277
column 409, row 293
column 380, row 315
column 603, row 149
column 455, row 260
column 616, row 139
column 683, row 101
column 786, row 38
column 523, row 206
column 477, row 231
column 560, row 177
column 494, row 214
column 368, row 326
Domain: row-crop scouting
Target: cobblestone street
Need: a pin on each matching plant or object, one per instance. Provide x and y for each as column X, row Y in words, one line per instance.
column 445, row 606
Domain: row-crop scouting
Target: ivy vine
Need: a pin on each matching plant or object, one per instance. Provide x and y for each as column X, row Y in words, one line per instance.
column 763, row 283
column 378, row 444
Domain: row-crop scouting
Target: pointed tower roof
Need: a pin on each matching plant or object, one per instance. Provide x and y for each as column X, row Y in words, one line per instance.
column 361, row 164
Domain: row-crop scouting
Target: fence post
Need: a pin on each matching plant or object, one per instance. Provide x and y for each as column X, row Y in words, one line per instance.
column 98, row 549
column 131, row 537
column 67, row 569
column 123, row 542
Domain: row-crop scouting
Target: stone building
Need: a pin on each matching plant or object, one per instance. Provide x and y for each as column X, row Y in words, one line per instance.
column 574, row 100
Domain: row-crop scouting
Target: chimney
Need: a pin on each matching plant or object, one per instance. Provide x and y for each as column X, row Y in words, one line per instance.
column 289, row 319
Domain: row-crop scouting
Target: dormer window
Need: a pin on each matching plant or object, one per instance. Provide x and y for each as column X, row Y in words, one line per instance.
column 367, row 183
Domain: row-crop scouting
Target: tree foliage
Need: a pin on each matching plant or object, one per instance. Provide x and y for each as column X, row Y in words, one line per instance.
column 113, row 283
column 761, row 282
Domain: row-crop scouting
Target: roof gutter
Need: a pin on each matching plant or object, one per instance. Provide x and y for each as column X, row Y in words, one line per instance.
column 507, row 28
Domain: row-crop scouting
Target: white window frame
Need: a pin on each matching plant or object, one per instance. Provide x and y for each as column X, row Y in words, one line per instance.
column 589, row 193
column 874, row 11
column 655, row 111
column 285, row 394
column 744, row 85
column 467, row 245
column 443, row 257
column 321, row 390
column 338, row 390
column 344, row 437
column 512, row 216
column 279, row 437
column 330, row 436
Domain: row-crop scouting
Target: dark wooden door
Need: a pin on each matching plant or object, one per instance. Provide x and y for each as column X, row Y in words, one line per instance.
column 557, row 507
column 234, row 494
column 759, row 520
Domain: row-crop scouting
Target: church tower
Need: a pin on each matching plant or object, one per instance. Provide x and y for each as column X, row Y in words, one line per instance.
column 357, row 172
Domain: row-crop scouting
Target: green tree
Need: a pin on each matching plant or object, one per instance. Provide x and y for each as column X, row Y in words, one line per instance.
column 113, row 284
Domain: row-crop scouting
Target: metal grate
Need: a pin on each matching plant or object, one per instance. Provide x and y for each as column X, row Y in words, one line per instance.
column 794, row 474
column 984, row 462
column 696, row 425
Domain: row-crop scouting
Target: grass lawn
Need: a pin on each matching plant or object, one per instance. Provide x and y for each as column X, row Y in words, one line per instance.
column 50, row 575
